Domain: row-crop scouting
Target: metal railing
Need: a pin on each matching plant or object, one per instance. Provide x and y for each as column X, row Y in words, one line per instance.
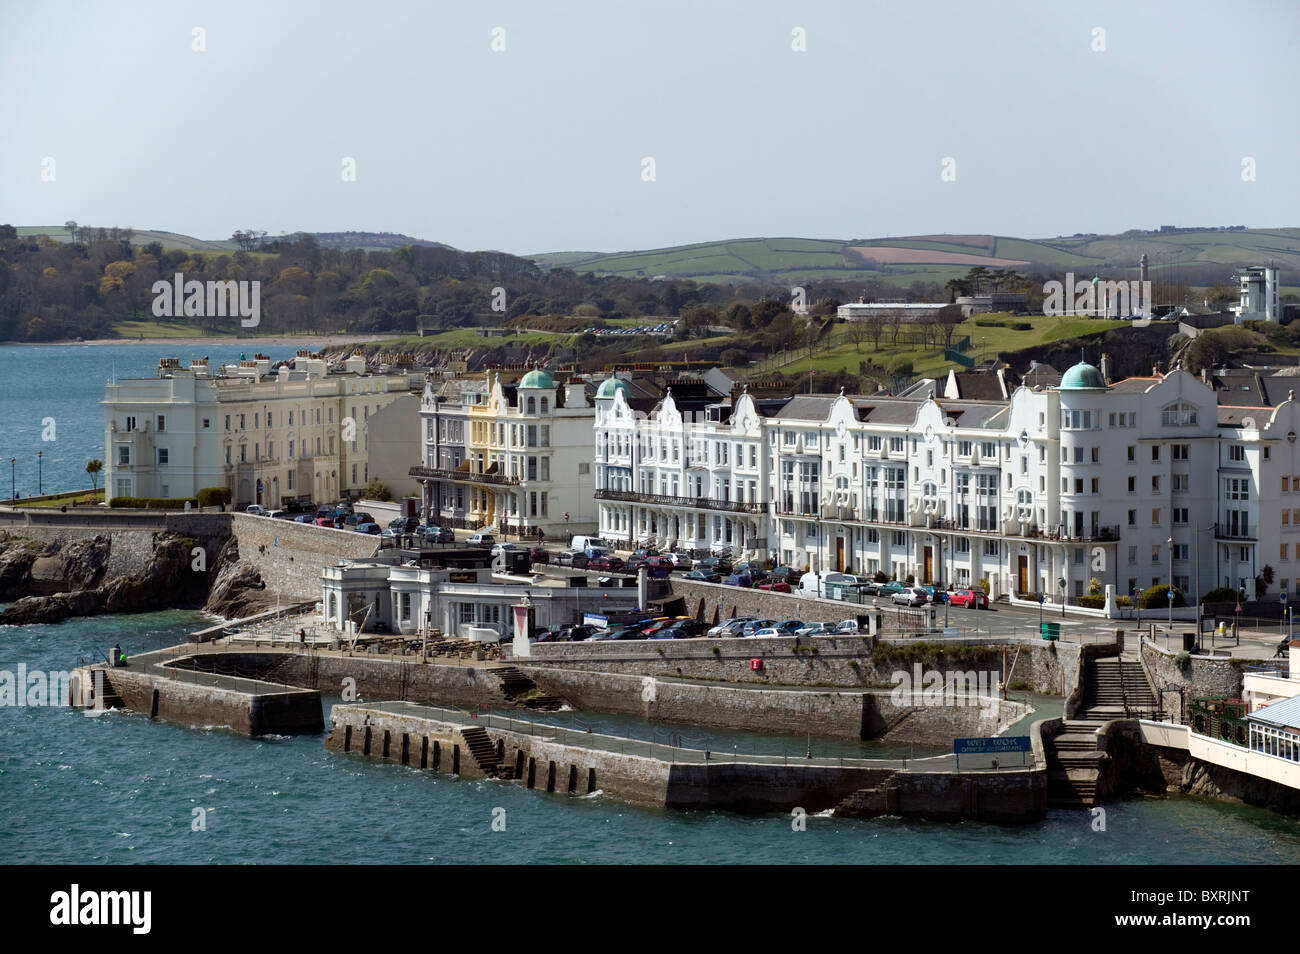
column 694, row 503
column 463, row 476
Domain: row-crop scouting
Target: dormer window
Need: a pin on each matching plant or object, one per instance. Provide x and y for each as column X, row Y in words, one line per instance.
column 1178, row 415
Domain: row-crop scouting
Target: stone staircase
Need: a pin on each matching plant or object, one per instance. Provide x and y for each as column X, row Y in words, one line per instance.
column 1074, row 765
column 519, row 689
column 481, row 748
column 1114, row 688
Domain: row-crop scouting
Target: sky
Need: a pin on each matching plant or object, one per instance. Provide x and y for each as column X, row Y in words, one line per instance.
column 543, row 125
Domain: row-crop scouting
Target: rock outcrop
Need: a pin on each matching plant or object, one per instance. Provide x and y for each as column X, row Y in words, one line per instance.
column 172, row 578
column 237, row 587
column 30, row 568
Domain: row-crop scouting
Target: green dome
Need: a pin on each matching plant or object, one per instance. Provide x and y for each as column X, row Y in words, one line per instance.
column 610, row 386
column 537, row 379
column 1082, row 377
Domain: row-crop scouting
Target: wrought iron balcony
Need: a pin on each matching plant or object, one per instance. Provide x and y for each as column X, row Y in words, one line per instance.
column 693, row 503
column 462, row 476
column 1226, row 531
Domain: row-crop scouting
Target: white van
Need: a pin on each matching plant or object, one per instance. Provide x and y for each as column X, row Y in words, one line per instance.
column 589, row 543
column 814, row 584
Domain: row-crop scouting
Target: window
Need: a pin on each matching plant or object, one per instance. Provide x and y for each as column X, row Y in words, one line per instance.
column 1132, row 452
column 1155, row 517
column 206, row 423
column 227, row 422
column 1286, row 485
column 1155, row 553
column 1155, row 485
column 1182, row 451
column 1236, row 452
column 1155, row 451
column 124, row 455
column 162, row 457
column 1180, row 483
column 1180, row 551
column 1178, row 415
column 1132, row 555
column 1282, row 555
column 1132, row 518
column 1180, row 514
column 290, row 483
column 162, row 422
column 1132, row 485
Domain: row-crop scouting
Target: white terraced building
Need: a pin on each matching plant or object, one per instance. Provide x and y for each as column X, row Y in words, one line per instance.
column 1134, row 484
column 268, row 434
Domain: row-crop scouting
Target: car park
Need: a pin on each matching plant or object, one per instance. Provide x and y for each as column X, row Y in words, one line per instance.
column 911, row 596
column 967, row 597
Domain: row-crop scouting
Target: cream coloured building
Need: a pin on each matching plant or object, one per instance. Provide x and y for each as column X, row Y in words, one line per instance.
column 297, row 430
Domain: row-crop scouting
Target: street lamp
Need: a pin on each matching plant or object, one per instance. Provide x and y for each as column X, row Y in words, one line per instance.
column 40, row 473
column 13, row 485
column 1170, row 544
column 1061, row 584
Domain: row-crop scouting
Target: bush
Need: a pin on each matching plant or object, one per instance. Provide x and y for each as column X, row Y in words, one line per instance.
column 881, row 576
column 1222, row 594
column 983, row 584
column 213, row 496
column 1124, row 601
column 1157, row 597
column 377, row 490
column 1183, row 660
column 1091, row 601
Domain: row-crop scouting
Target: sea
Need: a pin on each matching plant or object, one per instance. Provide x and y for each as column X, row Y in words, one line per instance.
column 117, row 788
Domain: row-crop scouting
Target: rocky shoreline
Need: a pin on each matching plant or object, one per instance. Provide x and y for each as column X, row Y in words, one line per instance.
column 52, row 582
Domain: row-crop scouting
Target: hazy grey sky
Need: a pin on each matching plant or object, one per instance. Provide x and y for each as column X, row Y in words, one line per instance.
column 540, row 147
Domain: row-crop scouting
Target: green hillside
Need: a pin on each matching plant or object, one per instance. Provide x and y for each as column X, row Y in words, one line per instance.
column 1199, row 256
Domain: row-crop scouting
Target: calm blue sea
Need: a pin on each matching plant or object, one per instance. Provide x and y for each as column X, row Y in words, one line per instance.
column 121, row 789
column 65, row 383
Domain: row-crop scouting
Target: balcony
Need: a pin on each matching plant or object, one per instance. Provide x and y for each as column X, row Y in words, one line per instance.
column 1226, row 531
column 462, row 476
column 693, row 503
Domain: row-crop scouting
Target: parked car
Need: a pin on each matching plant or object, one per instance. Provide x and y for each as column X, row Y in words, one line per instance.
column 714, row 564
column 577, row 632
column 704, row 576
column 655, row 626
column 323, row 522
column 437, row 534
column 324, row 510
column 480, row 539
column 729, row 627
column 937, row 594
column 609, row 563
column 911, row 596
column 767, row 632
column 848, row 627
column 257, row 510
column 404, row 524
column 788, row 627
column 503, row 548
column 965, row 596
column 370, row 527
column 816, row 629
column 890, row 588
column 305, row 518
column 684, row 629
column 680, row 561
column 279, row 515
column 574, row 558
column 778, row 586
column 756, row 624
column 538, row 555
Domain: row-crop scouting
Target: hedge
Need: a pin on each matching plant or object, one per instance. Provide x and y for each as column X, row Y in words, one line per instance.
column 1157, row 597
column 154, row 503
column 213, row 496
column 1223, row 594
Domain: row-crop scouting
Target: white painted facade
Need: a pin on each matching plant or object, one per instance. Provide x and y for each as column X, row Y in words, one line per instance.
column 1132, row 485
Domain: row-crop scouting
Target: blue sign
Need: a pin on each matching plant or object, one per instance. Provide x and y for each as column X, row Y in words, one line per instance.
column 1170, row 594
column 598, row 620
column 993, row 745
column 1040, row 597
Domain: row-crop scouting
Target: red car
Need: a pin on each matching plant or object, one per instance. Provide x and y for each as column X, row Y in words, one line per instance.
column 974, row 599
column 778, row 587
column 323, row 522
column 611, row 563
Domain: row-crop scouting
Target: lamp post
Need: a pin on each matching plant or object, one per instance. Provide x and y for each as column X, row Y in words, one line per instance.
column 1170, row 544
column 40, row 473
column 1061, row 584
column 13, row 485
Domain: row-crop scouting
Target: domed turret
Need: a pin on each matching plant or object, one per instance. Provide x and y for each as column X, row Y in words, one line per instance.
column 1082, row 377
column 537, row 378
column 610, row 386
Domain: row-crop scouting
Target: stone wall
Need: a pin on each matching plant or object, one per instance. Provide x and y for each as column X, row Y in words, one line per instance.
column 836, row 661
column 248, row 713
column 1003, row 797
column 290, row 555
column 1214, row 676
column 764, row 604
column 844, row 715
